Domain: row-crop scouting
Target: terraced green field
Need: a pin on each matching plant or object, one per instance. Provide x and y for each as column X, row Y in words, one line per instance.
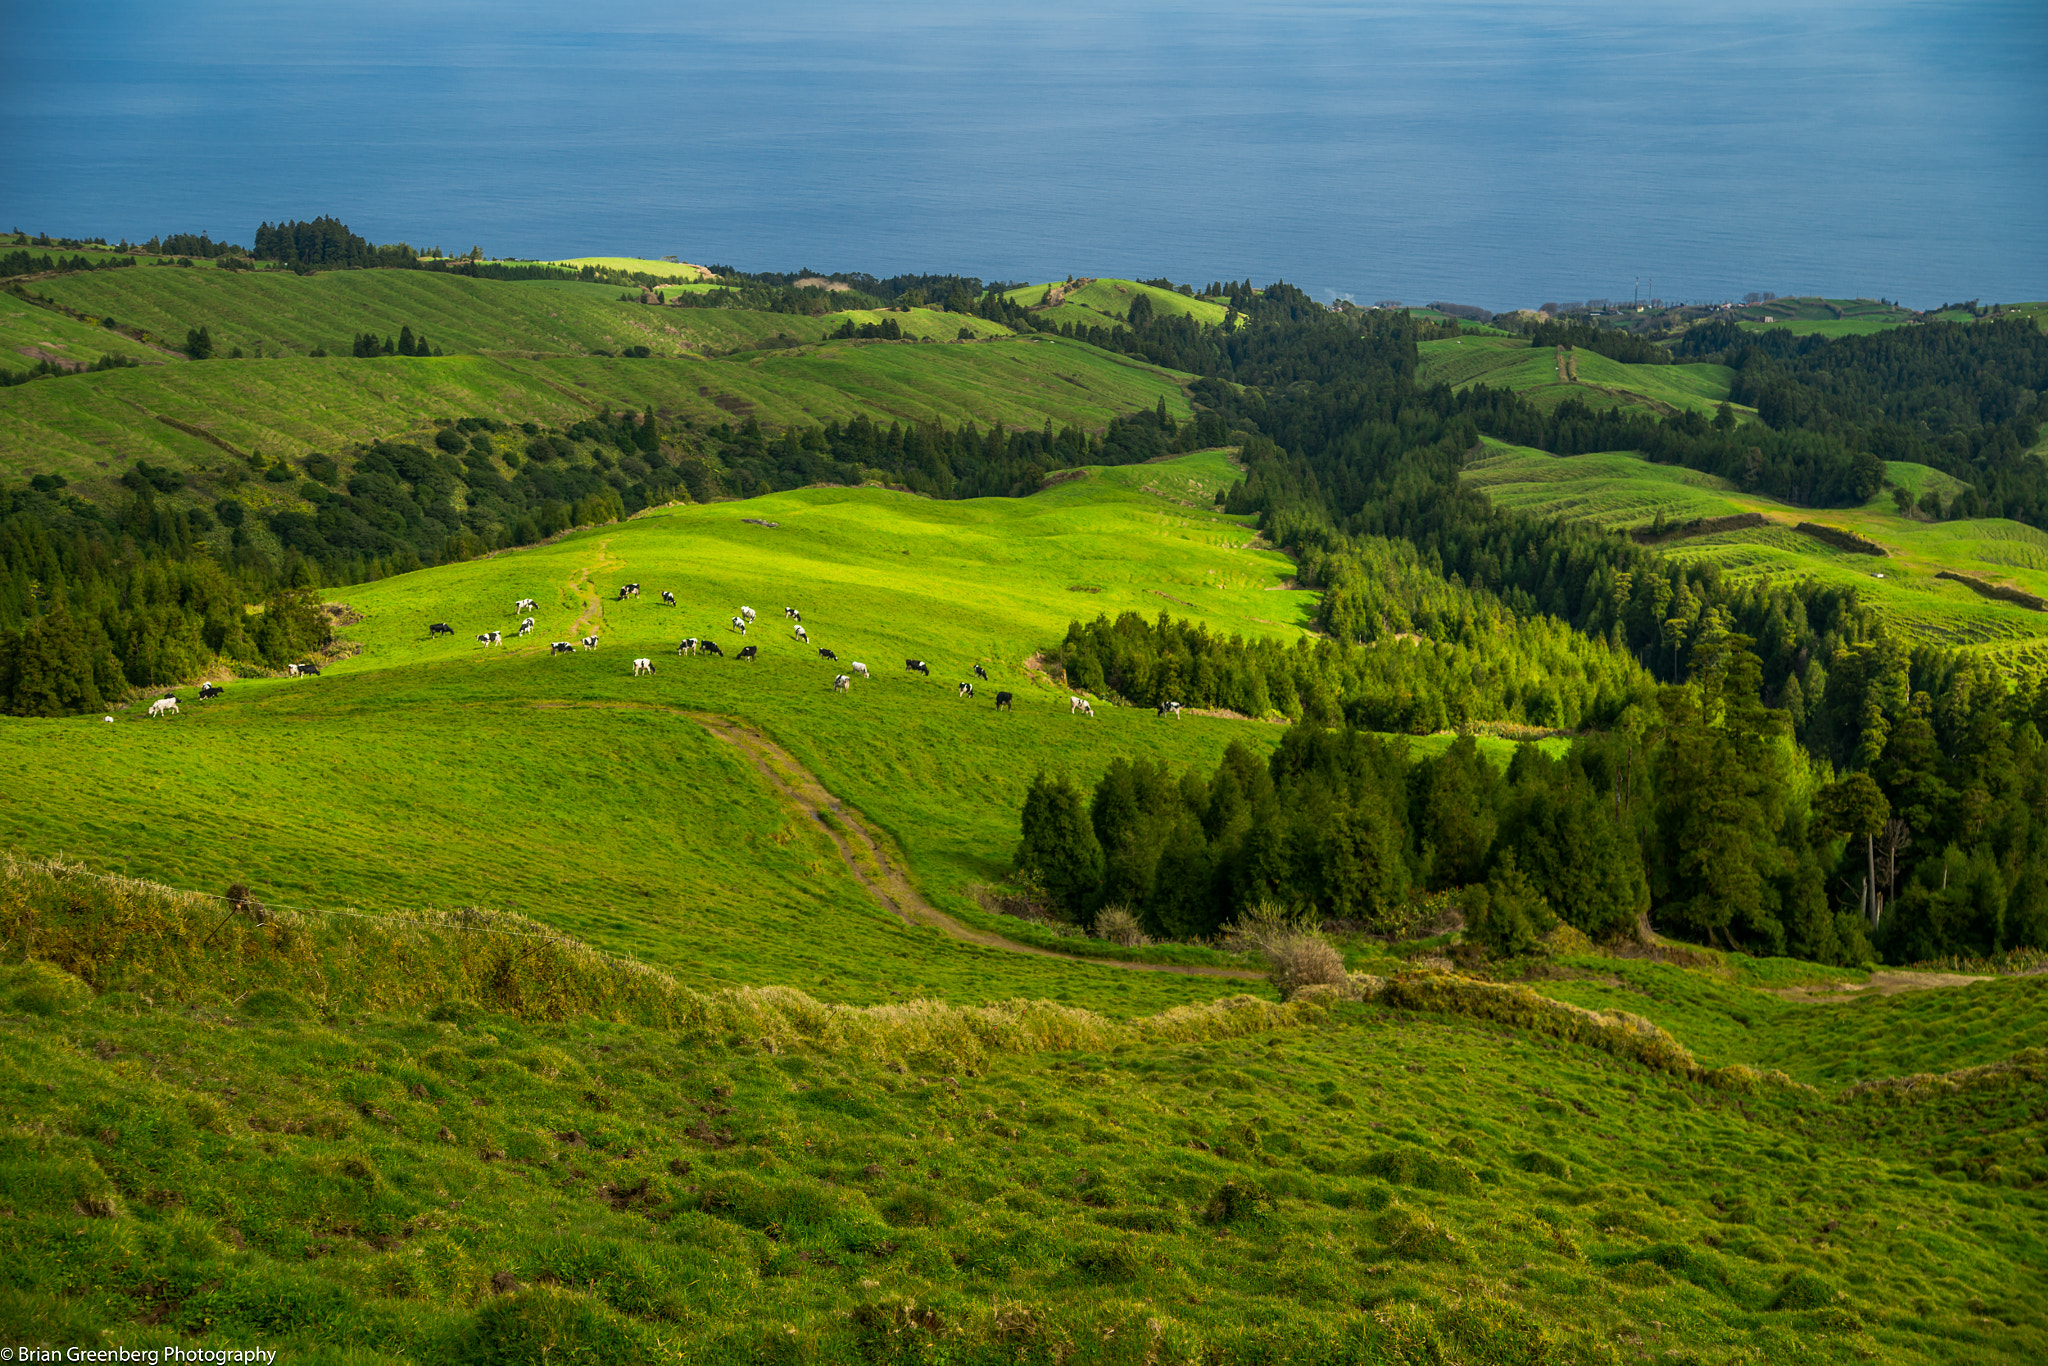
column 1510, row 362
column 1823, row 317
column 1623, row 490
column 448, row 774
column 89, row 427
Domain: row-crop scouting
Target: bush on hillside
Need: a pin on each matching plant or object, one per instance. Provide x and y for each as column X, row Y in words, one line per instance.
column 1116, row 925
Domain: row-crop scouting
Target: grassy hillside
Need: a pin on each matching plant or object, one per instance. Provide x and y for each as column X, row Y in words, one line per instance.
column 449, row 774
column 639, row 265
column 1511, row 363
column 89, row 427
column 1621, row 489
column 1825, row 317
column 1106, row 302
column 498, row 1156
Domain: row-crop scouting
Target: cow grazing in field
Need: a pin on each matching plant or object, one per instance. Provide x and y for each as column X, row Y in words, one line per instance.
column 749, row 653
column 108, row 719
column 824, row 653
column 210, row 690
column 842, row 682
column 590, row 642
column 802, row 634
column 561, row 647
column 1170, row 709
column 1003, row 701
column 292, row 670
column 688, row 647
column 710, row 647
column 164, row 706
column 917, row 666
column 632, row 588
column 1078, row 706
column 792, row 614
column 739, row 624
column 488, row 639
column 526, row 627
column 668, row 597
column 967, row 690
column 623, row 595
column 313, row 670
column 440, row 628
column 642, row 666
column 525, row 605
column 748, row 613
column 859, row 668
column 981, row 673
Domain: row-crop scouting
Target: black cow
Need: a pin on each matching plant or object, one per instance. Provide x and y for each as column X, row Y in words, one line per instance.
column 207, row 690
column 917, row 666
column 306, row 669
column 967, row 690
column 440, row 628
column 981, row 673
column 748, row 652
column 824, row 653
column 1003, row 701
column 710, row 647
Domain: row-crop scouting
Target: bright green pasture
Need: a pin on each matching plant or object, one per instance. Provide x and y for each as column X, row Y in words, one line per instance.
column 439, row 772
column 1106, row 302
column 91, row 426
column 1511, row 363
column 1621, row 489
column 29, row 334
column 1810, row 316
column 637, row 264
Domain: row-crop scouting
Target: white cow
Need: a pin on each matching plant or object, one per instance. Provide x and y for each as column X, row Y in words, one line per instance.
column 801, row 634
column 860, row 668
column 842, row 682
column 642, row 666
column 748, row 613
column 1078, row 706
column 163, row 706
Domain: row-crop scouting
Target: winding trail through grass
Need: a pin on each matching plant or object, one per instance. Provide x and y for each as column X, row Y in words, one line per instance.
column 865, row 857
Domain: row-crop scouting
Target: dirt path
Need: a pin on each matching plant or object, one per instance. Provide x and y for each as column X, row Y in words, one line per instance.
column 593, row 601
column 867, row 857
column 1886, row 983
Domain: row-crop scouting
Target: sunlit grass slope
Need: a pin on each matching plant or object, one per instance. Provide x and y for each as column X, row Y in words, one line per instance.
column 1825, row 317
column 92, row 426
column 1511, row 363
column 29, row 334
column 641, row 265
column 1106, row 302
column 1621, row 489
column 437, row 771
column 346, row 1164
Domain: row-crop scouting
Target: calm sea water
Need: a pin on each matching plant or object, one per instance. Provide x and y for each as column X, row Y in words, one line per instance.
column 1493, row 153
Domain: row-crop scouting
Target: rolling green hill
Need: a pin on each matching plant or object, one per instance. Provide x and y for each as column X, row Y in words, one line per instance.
column 1824, row 317
column 1106, row 302
column 1511, row 363
column 1622, row 490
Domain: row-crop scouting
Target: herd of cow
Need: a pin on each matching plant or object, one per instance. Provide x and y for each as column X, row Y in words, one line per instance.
column 167, row 705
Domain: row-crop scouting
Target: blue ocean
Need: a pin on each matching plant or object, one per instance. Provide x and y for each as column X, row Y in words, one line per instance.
column 1476, row 151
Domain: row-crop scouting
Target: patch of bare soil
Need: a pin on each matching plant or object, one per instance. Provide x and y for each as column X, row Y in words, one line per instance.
column 1890, row 982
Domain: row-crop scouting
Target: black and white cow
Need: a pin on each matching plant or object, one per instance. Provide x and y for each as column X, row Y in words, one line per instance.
column 526, row 627
column 668, row 597
column 642, row 666
column 792, row 614
column 739, row 624
column 440, row 628
column 525, row 605
column 748, row 652
column 309, row 670
column 1170, row 709
column 710, row 647
column 981, row 673
column 623, row 595
column 917, row 666
column 688, row 647
column 1003, row 701
column 859, row 668
column 632, row 588
column 210, row 690
column 802, row 634
column 590, row 642
column 842, row 683
column 967, row 690
column 488, row 639
column 561, row 647
column 1078, row 706
column 824, row 653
